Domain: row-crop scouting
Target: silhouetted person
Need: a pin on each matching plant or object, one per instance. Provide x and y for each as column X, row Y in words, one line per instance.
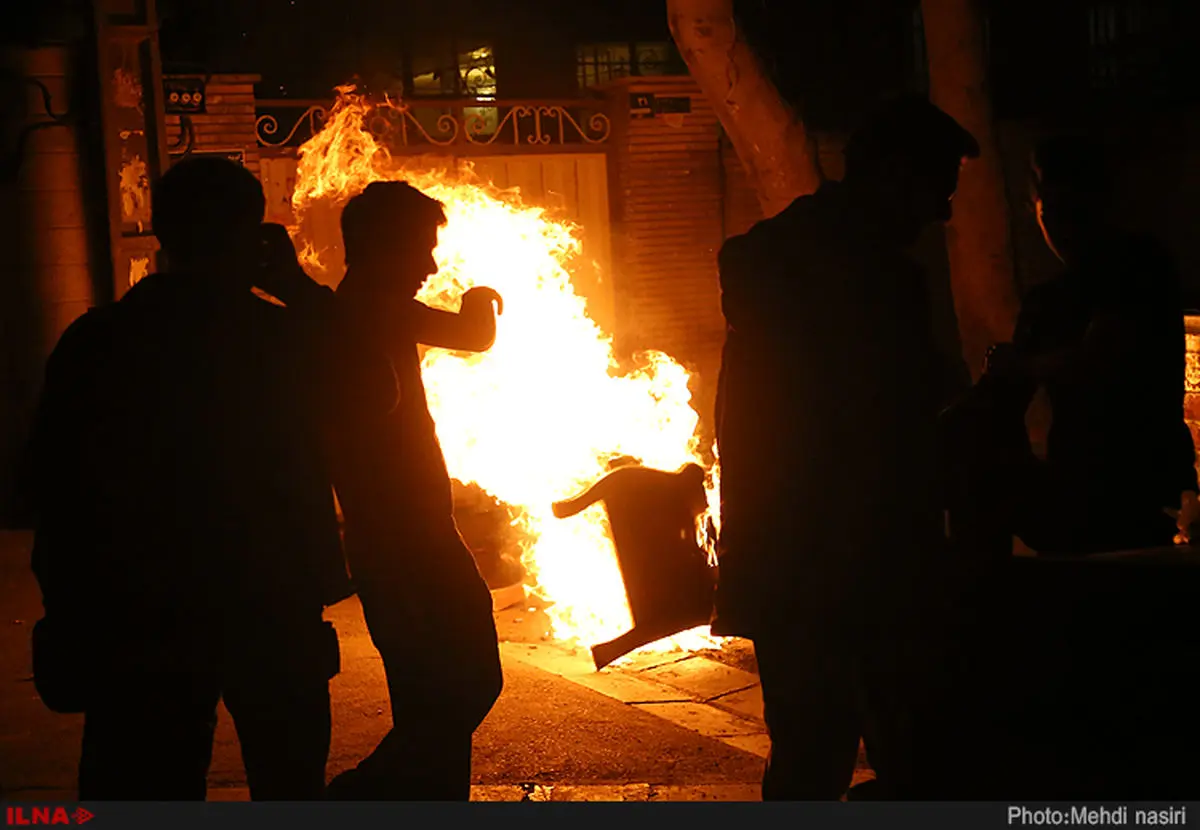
column 668, row 581
column 1105, row 339
column 186, row 540
column 426, row 605
column 829, row 390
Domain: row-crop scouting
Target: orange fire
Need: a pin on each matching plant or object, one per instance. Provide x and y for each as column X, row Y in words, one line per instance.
column 536, row 418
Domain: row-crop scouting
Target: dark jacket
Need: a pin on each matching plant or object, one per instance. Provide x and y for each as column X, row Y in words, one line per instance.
column 1118, row 427
column 829, row 390
column 177, row 474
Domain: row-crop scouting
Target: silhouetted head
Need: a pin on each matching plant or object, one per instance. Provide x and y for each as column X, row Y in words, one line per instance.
column 902, row 166
column 207, row 213
column 390, row 231
column 1072, row 191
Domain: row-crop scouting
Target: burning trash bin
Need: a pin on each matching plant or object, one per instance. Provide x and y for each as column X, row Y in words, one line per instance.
column 669, row 578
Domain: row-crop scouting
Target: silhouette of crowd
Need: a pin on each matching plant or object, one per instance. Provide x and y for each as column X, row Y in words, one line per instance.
column 195, row 442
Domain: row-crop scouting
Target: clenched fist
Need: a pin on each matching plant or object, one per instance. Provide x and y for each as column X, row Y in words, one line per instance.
column 477, row 299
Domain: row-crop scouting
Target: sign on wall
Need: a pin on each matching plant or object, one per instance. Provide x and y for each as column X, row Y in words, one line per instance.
column 641, row 105
column 648, row 105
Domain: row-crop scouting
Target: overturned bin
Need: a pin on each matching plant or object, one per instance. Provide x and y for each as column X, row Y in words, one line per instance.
column 669, row 580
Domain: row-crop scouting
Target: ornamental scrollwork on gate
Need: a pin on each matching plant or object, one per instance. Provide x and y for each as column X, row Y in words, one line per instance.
column 565, row 128
column 445, row 124
column 268, row 125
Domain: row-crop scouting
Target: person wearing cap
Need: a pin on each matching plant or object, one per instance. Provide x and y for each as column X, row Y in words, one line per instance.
column 829, row 390
column 186, row 541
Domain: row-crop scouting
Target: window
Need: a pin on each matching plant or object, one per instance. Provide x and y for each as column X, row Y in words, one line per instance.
column 478, row 71
column 469, row 74
column 603, row 62
column 463, row 74
column 1134, row 44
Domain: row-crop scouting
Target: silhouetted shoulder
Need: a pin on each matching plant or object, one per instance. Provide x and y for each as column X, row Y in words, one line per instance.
column 772, row 241
column 85, row 338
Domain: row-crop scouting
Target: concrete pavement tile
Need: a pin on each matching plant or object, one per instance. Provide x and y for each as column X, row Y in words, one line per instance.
column 702, row 718
column 747, row 702
column 577, row 668
column 564, row 792
column 759, row 744
column 649, row 695
column 701, row 677
column 599, row 792
column 706, row 792
column 503, row 792
column 643, row 660
column 570, row 664
column 629, row 689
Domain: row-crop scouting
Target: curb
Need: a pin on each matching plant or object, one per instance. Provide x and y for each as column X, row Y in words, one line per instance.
column 691, row 691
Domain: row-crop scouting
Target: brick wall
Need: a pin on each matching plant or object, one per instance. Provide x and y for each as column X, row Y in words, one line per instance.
column 227, row 125
column 677, row 191
column 665, row 184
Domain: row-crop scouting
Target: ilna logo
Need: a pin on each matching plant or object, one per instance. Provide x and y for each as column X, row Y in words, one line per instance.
column 19, row 816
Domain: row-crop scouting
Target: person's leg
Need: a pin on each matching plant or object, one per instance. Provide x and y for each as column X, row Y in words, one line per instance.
column 438, row 697
column 425, row 758
column 278, row 697
column 907, row 708
column 812, row 714
column 149, row 740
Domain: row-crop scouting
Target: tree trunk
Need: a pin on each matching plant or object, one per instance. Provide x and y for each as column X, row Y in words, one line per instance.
column 768, row 137
column 978, row 240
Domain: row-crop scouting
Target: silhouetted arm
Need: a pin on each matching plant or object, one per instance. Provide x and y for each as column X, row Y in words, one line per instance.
column 472, row 329
column 53, row 489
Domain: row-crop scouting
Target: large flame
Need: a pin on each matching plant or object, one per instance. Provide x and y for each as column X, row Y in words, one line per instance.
column 536, row 418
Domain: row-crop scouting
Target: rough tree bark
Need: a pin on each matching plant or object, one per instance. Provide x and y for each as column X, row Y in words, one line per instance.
column 767, row 135
column 978, row 238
